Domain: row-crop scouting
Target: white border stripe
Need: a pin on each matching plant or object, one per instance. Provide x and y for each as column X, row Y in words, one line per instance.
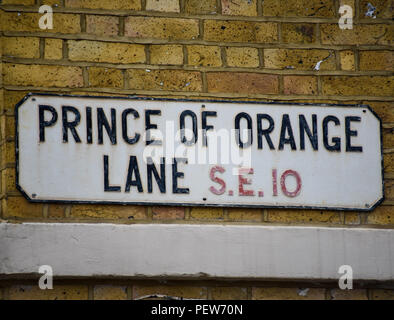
column 185, row 251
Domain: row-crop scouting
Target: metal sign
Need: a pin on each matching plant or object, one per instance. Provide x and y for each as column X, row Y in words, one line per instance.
column 193, row 152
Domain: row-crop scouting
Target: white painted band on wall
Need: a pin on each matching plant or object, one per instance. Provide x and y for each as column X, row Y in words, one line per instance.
column 187, row 251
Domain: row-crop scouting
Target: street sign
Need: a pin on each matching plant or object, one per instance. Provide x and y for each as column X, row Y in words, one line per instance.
column 199, row 153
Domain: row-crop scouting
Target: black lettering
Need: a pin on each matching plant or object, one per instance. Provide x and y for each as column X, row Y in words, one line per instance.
column 149, row 126
column 305, row 128
column 351, row 133
column 286, row 128
column 206, row 127
column 102, row 121
column 183, row 115
column 177, row 174
column 133, row 168
column 336, row 140
column 89, row 133
column 160, row 179
column 70, row 124
column 126, row 138
column 107, row 187
column 264, row 132
column 42, row 122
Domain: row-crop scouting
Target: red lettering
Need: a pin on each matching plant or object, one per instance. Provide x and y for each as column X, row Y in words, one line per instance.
column 283, row 183
column 217, row 180
column 243, row 180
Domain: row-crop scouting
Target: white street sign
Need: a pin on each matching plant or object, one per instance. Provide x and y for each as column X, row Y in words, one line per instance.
column 211, row 153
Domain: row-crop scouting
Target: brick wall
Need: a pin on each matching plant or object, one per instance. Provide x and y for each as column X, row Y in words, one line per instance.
column 255, row 50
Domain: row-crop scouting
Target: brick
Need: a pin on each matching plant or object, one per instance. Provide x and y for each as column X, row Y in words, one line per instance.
column 168, row 213
column 8, row 153
column 353, row 218
column 298, row 59
column 161, row 28
column 347, row 60
column 298, row 33
column 300, row 85
column 200, row 7
column 56, row 210
column 59, row 292
column 388, row 159
column 241, row 214
column 299, row 8
column 7, row 127
column 229, row 293
column 19, row 207
column 239, row 8
column 172, row 80
column 109, row 292
column 382, row 294
column 206, row 213
column 104, row 4
column 270, row 293
column 206, row 56
column 163, row 5
column 19, row 2
column 303, row 216
column 53, row 49
column 389, row 189
column 21, row 47
column 105, row 77
column 23, row 21
column 95, row 51
column 42, row 75
column 128, row 212
column 186, row 292
column 11, row 98
column 384, row 8
column 102, row 25
column 377, row 60
column 240, row 82
column 166, row 54
column 240, row 31
column 385, row 110
column 388, row 138
column 382, row 215
column 242, row 57
column 360, row 34
column 8, row 180
column 361, row 85
column 355, row 294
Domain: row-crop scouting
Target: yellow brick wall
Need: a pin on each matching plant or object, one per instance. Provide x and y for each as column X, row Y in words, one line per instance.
column 255, row 50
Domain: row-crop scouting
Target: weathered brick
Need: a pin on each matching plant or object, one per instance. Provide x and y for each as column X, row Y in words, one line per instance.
column 166, row 54
column 11, row 98
column 173, row 80
column 105, row 78
column 161, row 28
column 353, row 218
column 355, row 294
column 384, row 9
column 389, row 189
column 200, row 7
column 242, row 57
column 104, row 4
column 56, row 210
column 206, row 213
column 19, row 2
column 59, row 292
column 42, row 75
column 21, row 47
column 240, row 8
column 360, row 34
column 303, row 216
column 8, row 180
column 163, row 5
column 207, row 56
column 23, row 21
column 7, row 152
column 95, row 51
column 298, row 33
column 277, row 293
column 240, row 31
column 109, row 292
column 19, row 207
column 243, row 214
column 229, row 293
column 382, row 294
column 298, row 59
column 7, row 127
column 361, row 85
column 377, row 60
column 168, row 213
column 388, row 138
column 102, row 25
column 187, row 292
column 385, row 110
column 53, row 49
column 300, row 85
column 347, row 60
column 128, row 212
column 242, row 82
column 382, row 215
column 388, row 159
column 299, row 8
